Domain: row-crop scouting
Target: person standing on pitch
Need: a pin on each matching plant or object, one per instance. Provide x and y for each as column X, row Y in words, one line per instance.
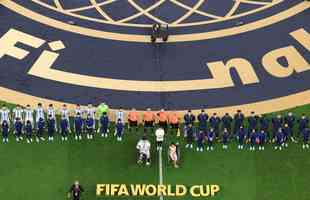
column 133, row 120
column 144, row 148
column 104, row 125
column 75, row 191
column 305, row 133
column 78, row 127
column 189, row 136
column 159, row 133
column 51, row 128
column 64, row 127
column 5, row 131
column 119, row 130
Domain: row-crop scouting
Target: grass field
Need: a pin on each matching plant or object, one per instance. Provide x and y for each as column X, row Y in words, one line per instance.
column 45, row 171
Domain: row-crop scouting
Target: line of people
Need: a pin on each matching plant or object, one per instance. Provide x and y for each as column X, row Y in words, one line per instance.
column 201, row 128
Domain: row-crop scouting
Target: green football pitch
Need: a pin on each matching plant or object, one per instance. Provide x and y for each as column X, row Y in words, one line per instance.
column 45, row 171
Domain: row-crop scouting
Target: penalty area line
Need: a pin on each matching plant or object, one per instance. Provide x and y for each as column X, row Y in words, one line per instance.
column 160, row 163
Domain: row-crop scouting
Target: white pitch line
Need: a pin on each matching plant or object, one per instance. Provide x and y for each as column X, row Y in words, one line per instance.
column 160, row 161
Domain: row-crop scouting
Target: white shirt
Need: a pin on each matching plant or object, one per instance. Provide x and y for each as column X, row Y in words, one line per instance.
column 91, row 111
column 144, row 147
column 160, row 135
column 119, row 115
column 51, row 111
column 5, row 115
column 39, row 113
column 29, row 114
column 18, row 113
column 64, row 112
column 79, row 110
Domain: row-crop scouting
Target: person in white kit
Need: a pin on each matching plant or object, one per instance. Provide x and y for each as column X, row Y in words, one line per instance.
column 91, row 111
column 39, row 114
column 5, row 114
column 28, row 114
column 144, row 147
column 79, row 110
column 18, row 112
column 159, row 133
column 64, row 112
column 119, row 114
column 52, row 112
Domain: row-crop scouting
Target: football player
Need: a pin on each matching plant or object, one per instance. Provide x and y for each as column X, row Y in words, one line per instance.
column 210, row 137
column 119, row 130
column 202, row 120
column 305, row 133
column 133, row 118
column 189, row 136
column 173, row 154
column 144, row 148
column 5, row 115
column 104, row 125
column 64, row 127
column 241, row 133
column 5, row 131
column 39, row 114
column 226, row 121
column 91, row 112
column 262, row 139
column 279, row 139
column 28, row 114
column 51, row 122
column 18, row 112
column 215, row 124
column 18, row 129
column 225, row 138
column 40, row 130
column 89, row 124
column 28, row 131
column 238, row 118
column 200, row 141
column 51, row 111
column 78, row 126
column 253, row 140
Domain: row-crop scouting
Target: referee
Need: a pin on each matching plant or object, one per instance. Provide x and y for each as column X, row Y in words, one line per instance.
column 75, row 191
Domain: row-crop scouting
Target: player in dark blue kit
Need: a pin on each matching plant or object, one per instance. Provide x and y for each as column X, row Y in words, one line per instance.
column 279, row 139
column 226, row 121
column 238, row 118
column 262, row 139
column 305, row 134
column 264, row 125
column 302, row 123
column 277, row 123
column 290, row 119
column 287, row 132
column 189, row 118
column 18, row 129
column 189, row 136
column 89, row 124
column 104, row 125
column 202, row 119
column 253, row 121
column 253, row 139
column 119, row 130
column 225, row 138
column 64, row 128
column 241, row 133
column 51, row 124
column 28, row 131
column 210, row 137
column 215, row 124
column 78, row 126
column 200, row 141
column 40, row 130
column 5, row 131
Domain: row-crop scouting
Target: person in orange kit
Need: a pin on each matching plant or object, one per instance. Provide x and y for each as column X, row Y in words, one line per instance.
column 174, row 121
column 133, row 118
column 148, row 119
column 163, row 119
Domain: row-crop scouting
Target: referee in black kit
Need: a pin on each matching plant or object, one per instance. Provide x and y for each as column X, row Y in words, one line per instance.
column 75, row 191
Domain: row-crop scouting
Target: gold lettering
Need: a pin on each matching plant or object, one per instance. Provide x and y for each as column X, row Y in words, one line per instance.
column 9, row 39
column 192, row 191
column 295, row 62
column 123, row 190
column 180, row 190
column 100, row 189
column 214, row 189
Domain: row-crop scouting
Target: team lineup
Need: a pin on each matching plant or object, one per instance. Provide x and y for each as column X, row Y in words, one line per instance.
column 254, row 131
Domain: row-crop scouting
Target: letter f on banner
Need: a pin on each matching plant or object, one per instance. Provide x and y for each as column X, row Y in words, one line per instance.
column 13, row 36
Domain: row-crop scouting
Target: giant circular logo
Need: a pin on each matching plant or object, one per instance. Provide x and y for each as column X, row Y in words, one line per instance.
column 220, row 54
